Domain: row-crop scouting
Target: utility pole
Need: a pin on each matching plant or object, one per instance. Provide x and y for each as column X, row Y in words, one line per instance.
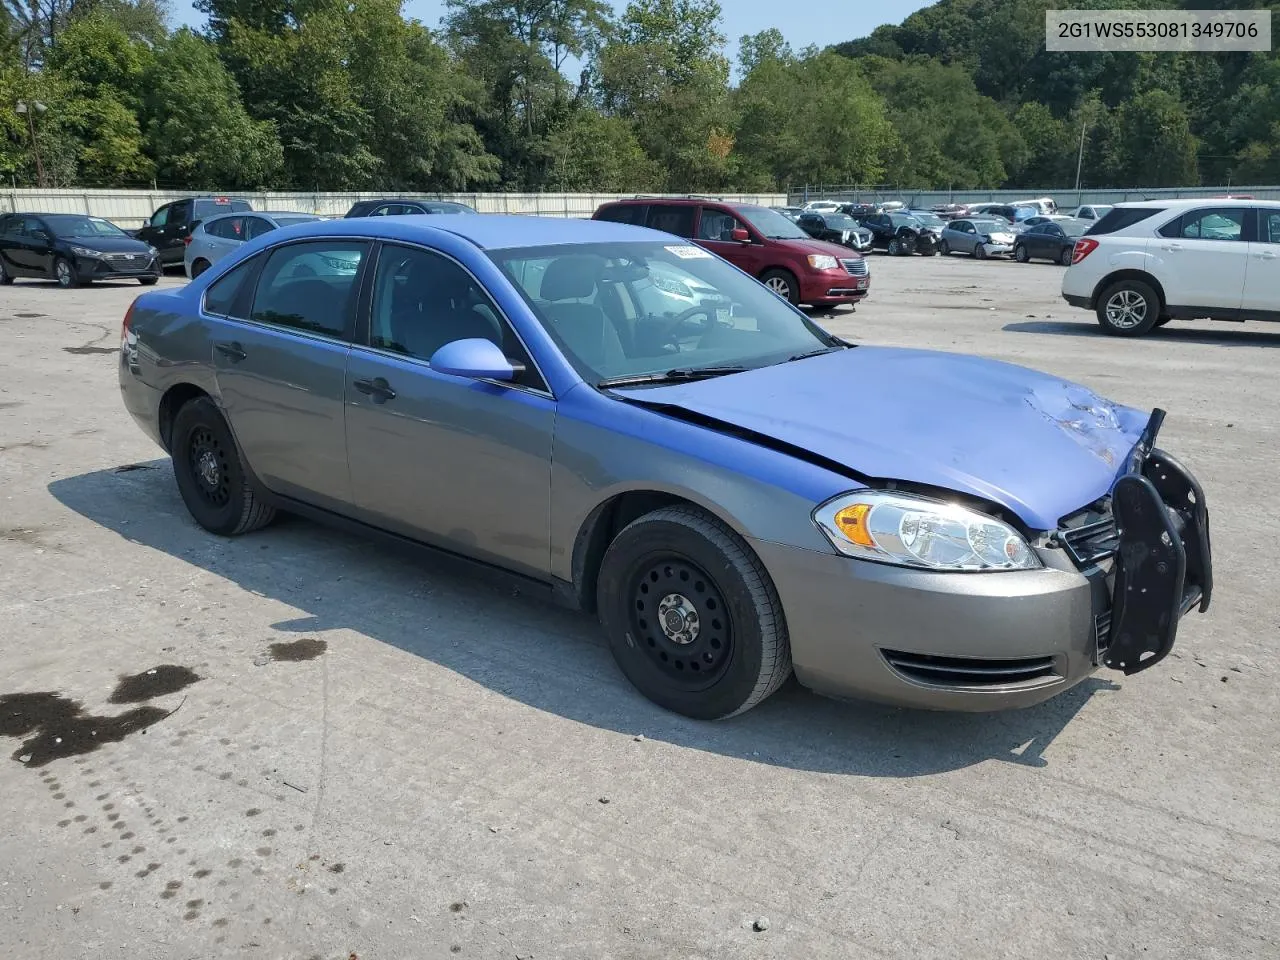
column 31, row 109
column 1084, row 125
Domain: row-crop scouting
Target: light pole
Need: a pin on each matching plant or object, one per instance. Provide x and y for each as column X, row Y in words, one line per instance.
column 1084, row 125
column 31, row 109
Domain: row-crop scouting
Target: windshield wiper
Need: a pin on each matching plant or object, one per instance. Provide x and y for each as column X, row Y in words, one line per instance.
column 840, row 345
column 670, row 376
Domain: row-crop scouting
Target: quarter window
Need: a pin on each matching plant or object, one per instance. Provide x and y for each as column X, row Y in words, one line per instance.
column 224, row 293
column 633, row 213
column 1269, row 226
column 255, row 227
column 310, row 286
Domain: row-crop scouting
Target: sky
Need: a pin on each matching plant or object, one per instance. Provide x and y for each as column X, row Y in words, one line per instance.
column 821, row 22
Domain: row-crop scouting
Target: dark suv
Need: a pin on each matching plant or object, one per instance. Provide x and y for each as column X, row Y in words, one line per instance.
column 757, row 240
column 399, row 208
column 169, row 226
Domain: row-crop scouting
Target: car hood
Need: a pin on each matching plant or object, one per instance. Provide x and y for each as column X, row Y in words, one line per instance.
column 809, row 245
column 1039, row 446
column 108, row 244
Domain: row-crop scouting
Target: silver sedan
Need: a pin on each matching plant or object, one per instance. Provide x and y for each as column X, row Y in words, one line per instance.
column 978, row 238
column 211, row 240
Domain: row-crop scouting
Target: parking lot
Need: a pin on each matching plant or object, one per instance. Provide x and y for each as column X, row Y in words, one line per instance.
column 376, row 757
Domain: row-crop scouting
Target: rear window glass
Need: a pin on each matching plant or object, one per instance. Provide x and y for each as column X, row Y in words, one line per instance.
column 220, row 299
column 1120, row 217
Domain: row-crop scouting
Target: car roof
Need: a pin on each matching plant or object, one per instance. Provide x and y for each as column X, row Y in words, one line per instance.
column 1184, row 202
column 489, row 231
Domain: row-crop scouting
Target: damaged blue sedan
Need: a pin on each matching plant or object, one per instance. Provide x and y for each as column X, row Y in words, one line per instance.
column 651, row 435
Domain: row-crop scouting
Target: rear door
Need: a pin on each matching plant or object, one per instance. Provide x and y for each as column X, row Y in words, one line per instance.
column 460, row 463
column 281, row 365
column 1261, row 299
column 1204, row 255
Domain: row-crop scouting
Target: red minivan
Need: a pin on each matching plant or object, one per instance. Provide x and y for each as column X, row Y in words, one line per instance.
column 758, row 240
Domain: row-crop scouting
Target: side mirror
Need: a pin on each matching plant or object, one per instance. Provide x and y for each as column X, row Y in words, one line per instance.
column 476, row 358
column 42, row 236
column 740, row 235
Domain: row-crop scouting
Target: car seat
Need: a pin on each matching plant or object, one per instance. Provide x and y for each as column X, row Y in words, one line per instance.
column 582, row 327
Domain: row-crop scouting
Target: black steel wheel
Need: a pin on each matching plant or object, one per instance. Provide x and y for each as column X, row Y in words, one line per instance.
column 211, row 478
column 691, row 615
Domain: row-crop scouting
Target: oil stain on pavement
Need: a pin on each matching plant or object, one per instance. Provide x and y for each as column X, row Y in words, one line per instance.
column 307, row 648
column 57, row 726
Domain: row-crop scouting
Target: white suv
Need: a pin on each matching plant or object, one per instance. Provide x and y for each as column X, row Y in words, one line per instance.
column 1144, row 264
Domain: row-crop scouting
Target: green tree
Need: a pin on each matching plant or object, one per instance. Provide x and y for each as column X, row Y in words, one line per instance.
column 516, row 51
column 947, row 134
column 102, row 69
column 667, row 74
column 595, row 153
column 197, row 130
column 783, row 101
column 1154, row 146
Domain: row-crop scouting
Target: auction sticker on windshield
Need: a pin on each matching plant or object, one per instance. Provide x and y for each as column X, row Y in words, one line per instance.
column 689, row 253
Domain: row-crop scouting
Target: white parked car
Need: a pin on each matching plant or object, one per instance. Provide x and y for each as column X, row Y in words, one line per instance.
column 821, row 206
column 1092, row 211
column 1144, row 264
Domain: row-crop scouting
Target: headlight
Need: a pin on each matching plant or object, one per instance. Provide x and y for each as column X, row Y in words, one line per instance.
column 912, row 531
column 153, row 251
column 85, row 252
column 821, row 261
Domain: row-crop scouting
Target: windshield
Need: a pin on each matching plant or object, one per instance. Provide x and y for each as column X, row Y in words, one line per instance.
column 771, row 223
column 73, row 225
column 981, row 225
column 1074, row 228
column 447, row 207
column 930, row 219
column 904, row 220
column 637, row 309
column 288, row 221
column 838, row 221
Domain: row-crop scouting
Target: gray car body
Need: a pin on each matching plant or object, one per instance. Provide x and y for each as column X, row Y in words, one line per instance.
column 208, row 247
column 570, row 466
column 960, row 240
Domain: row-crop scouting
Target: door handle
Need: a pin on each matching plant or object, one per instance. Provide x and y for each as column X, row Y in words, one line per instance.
column 1266, row 255
column 1171, row 246
column 232, row 350
column 378, row 388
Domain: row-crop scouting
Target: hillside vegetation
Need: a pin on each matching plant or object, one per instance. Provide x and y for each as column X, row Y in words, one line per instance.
column 563, row 95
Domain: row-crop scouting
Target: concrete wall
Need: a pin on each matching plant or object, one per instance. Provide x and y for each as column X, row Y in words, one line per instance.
column 1066, row 199
column 130, row 208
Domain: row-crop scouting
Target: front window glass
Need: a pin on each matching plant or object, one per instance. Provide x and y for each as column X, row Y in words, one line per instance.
column 717, row 225
column 770, row 223
column 635, row 309
column 72, row 225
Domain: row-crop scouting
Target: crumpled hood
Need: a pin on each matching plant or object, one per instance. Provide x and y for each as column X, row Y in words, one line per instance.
column 1039, row 446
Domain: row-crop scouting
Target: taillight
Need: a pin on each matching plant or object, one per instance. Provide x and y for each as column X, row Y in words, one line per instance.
column 128, row 316
column 1084, row 246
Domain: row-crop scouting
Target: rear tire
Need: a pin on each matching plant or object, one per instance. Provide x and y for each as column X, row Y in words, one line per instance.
column 5, row 279
column 211, row 477
column 148, row 281
column 199, row 267
column 1162, row 321
column 1068, row 254
column 783, row 284
column 1129, row 308
column 691, row 616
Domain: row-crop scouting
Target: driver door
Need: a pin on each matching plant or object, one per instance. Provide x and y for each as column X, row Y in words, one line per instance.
column 462, row 464
column 715, row 233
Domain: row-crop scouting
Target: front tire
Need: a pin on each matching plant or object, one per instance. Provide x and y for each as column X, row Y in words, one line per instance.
column 979, row 251
column 211, row 478
column 64, row 272
column 783, row 284
column 148, row 281
column 691, row 615
column 5, row 279
column 1129, row 308
column 1020, row 254
column 944, row 248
